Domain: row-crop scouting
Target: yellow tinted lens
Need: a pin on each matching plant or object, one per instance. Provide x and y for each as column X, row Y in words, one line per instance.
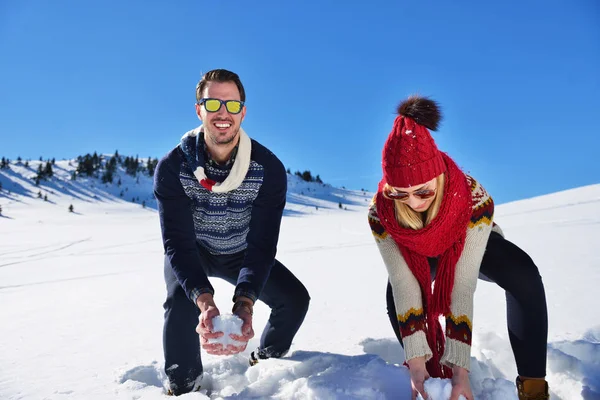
column 212, row 105
column 234, row 106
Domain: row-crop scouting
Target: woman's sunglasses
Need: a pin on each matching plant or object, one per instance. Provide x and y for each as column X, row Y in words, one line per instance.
column 214, row 105
column 422, row 194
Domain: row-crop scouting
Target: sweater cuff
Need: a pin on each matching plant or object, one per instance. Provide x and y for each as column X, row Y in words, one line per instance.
column 456, row 353
column 196, row 292
column 244, row 290
column 416, row 345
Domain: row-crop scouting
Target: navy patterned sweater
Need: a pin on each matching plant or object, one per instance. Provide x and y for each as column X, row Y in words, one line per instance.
column 246, row 219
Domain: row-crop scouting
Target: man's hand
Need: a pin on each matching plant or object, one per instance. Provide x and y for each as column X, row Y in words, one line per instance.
column 418, row 376
column 243, row 308
column 460, row 384
column 208, row 310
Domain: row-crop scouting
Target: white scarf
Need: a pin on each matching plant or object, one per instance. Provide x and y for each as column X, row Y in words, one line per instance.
column 238, row 171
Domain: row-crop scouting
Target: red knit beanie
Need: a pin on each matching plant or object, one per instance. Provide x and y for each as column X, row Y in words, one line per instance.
column 410, row 156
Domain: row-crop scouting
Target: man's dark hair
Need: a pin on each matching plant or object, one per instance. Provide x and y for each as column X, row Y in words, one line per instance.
column 220, row 75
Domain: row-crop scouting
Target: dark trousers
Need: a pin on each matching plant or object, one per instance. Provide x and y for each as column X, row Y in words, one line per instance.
column 514, row 271
column 283, row 293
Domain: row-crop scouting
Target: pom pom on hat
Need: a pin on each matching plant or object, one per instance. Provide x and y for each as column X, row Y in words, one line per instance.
column 423, row 110
column 410, row 155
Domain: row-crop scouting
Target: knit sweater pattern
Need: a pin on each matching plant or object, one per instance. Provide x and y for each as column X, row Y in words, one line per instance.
column 244, row 220
column 222, row 220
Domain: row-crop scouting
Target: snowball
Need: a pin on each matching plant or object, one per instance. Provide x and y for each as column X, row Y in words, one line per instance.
column 227, row 324
column 439, row 389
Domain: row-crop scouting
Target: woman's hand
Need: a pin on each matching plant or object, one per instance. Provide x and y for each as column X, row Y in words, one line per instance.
column 460, row 384
column 418, row 376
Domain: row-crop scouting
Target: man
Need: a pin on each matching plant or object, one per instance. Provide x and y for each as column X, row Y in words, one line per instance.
column 221, row 197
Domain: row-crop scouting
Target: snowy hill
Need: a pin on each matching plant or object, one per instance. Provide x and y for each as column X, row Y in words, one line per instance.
column 18, row 184
column 81, row 297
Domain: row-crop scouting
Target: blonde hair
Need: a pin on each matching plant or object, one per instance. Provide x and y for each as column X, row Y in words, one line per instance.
column 409, row 218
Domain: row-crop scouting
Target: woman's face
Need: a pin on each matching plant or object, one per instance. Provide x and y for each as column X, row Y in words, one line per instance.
column 418, row 197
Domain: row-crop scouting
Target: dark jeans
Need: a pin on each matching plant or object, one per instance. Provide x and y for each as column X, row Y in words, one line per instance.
column 283, row 293
column 514, row 271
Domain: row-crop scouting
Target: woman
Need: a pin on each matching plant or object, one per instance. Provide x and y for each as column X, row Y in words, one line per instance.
column 433, row 223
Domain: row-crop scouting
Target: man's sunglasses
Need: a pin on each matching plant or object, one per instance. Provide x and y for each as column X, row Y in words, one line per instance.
column 214, row 105
column 422, row 194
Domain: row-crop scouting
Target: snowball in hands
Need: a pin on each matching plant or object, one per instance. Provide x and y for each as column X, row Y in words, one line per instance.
column 439, row 389
column 227, row 324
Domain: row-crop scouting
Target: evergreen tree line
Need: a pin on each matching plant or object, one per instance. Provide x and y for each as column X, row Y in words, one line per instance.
column 306, row 176
column 94, row 165
column 44, row 172
column 4, row 163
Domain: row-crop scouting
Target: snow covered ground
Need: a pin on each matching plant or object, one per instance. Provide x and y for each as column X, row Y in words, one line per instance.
column 81, row 298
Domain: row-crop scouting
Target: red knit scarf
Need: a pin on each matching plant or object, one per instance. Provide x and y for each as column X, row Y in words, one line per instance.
column 443, row 237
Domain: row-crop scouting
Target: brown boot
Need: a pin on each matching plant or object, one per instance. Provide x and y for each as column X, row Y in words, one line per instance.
column 532, row 389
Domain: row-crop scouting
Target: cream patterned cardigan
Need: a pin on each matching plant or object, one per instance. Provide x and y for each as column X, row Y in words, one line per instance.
column 407, row 293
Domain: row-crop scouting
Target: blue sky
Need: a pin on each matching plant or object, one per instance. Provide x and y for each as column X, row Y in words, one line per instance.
column 518, row 83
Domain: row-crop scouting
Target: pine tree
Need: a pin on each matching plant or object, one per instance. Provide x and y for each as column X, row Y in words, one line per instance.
column 288, row 171
column 307, row 176
column 107, row 176
column 45, row 197
column 39, row 194
column 27, row 164
column 71, row 208
column 86, row 165
column 48, row 170
column 111, row 165
column 318, row 179
column 340, row 205
column 131, row 165
column 151, row 166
